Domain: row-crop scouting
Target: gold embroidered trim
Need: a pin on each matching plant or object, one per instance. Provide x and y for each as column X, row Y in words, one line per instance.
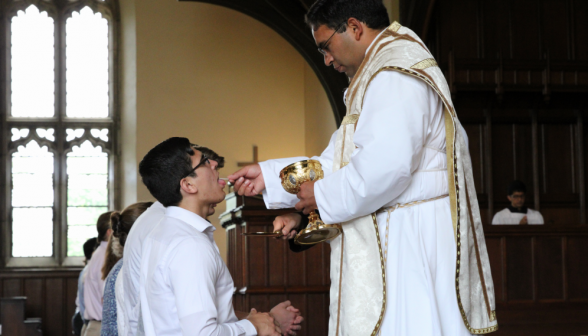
column 427, row 63
column 350, row 119
column 340, row 280
column 395, row 26
column 409, row 204
column 477, row 249
column 344, row 164
column 493, row 317
column 377, row 328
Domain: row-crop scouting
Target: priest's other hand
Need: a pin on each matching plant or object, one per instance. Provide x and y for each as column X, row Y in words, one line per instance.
column 248, row 180
column 288, row 224
column 288, row 317
column 306, row 196
column 264, row 324
column 524, row 221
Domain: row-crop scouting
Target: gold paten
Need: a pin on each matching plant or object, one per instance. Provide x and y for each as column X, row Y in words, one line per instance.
column 292, row 177
column 277, row 233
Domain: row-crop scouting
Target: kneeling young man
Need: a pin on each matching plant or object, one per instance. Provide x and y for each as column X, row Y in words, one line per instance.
column 185, row 286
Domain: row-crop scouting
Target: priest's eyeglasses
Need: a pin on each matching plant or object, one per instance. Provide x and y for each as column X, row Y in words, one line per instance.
column 203, row 160
column 323, row 47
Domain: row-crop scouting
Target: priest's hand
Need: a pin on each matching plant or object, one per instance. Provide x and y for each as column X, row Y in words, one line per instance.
column 524, row 221
column 306, row 196
column 288, row 224
column 248, row 180
column 288, row 317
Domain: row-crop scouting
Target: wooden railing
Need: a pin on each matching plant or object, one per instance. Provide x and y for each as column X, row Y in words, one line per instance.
column 540, row 278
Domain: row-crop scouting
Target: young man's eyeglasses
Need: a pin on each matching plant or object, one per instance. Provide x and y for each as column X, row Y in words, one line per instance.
column 323, row 47
column 204, row 159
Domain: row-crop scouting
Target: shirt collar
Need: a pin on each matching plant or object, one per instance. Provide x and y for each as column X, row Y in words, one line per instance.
column 190, row 218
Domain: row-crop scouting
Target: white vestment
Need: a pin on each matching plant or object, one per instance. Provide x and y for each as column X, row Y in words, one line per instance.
column 400, row 158
column 400, row 144
column 505, row 217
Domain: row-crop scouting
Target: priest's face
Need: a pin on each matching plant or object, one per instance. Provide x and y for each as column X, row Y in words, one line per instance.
column 340, row 49
column 517, row 199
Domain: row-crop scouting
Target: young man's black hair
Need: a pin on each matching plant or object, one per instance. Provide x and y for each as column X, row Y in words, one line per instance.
column 167, row 164
column 333, row 13
column 516, row 186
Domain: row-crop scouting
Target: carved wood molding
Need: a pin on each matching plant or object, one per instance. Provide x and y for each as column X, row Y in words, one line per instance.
column 286, row 17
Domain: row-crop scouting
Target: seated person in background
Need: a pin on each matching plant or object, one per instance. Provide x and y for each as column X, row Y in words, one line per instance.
column 185, row 287
column 517, row 213
column 93, row 283
column 121, row 223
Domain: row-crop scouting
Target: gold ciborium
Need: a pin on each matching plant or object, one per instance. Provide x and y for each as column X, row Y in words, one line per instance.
column 293, row 176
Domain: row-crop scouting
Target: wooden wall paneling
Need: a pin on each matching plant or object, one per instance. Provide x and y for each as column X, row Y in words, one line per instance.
column 54, row 317
column 577, row 258
column 519, row 268
column 71, row 292
column 318, row 308
column 489, row 166
column 34, row 290
column 277, row 250
column 580, row 13
column 555, row 22
column 297, row 268
column 257, row 254
column 12, row 287
column 526, row 34
column 549, row 268
column 503, row 155
column 580, row 160
column 535, row 143
column 558, row 171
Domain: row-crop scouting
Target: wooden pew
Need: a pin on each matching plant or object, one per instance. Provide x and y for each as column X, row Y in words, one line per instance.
column 12, row 318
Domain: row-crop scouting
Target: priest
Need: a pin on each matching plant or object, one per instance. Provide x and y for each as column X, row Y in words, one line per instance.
column 412, row 258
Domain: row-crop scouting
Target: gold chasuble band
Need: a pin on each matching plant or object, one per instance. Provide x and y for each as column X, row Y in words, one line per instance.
column 355, row 288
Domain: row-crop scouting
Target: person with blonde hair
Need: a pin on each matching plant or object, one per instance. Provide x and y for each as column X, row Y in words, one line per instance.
column 121, row 223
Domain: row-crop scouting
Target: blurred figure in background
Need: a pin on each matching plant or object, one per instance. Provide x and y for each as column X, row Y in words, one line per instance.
column 93, row 283
column 113, row 308
column 517, row 213
column 78, row 322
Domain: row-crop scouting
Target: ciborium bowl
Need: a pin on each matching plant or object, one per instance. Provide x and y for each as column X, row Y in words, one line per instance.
column 292, row 177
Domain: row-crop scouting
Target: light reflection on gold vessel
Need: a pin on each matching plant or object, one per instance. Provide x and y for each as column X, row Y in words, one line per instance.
column 292, row 177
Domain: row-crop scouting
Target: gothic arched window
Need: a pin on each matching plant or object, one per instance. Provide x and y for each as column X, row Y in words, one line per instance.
column 59, row 121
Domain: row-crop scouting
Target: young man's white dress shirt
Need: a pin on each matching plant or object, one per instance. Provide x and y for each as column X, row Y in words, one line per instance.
column 130, row 273
column 186, row 288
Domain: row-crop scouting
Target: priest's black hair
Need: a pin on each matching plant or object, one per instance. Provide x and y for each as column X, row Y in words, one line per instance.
column 167, row 164
column 334, row 12
column 515, row 186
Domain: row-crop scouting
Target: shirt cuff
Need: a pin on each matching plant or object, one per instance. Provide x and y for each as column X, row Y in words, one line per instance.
column 247, row 327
